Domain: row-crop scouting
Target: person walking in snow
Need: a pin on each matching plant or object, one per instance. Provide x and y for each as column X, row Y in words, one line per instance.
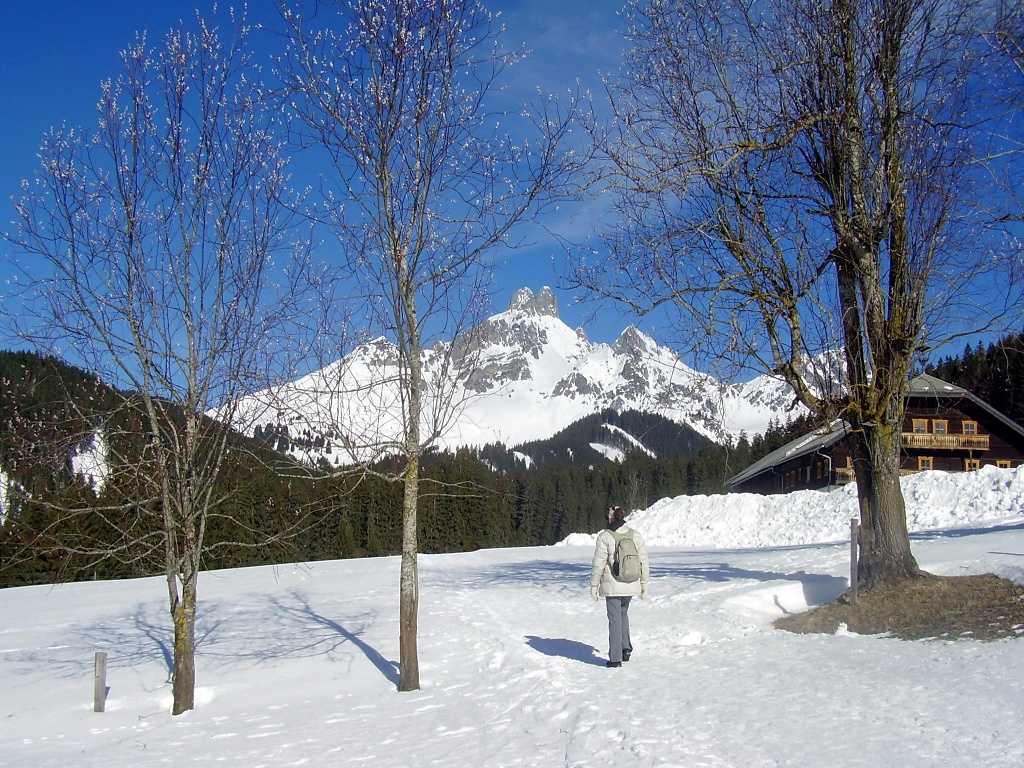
column 605, row 582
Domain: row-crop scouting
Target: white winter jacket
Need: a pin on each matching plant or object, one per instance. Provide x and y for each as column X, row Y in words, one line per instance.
column 604, row 556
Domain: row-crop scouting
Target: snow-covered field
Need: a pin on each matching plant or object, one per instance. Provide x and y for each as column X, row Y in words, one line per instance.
column 297, row 664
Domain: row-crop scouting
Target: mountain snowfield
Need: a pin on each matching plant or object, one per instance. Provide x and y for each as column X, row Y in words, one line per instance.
column 297, row 664
column 533, row 377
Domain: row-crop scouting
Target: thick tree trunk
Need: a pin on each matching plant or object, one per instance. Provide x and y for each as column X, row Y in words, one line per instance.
column 409, row 589
column 885, row 555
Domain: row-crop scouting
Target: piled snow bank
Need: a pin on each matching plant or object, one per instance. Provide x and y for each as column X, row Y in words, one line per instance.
column 744, row 520
column 946, row 500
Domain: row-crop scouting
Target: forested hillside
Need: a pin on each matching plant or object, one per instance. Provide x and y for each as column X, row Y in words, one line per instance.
column 51, row 412
column 492, row 497
column 995, row 373
column 610, row 435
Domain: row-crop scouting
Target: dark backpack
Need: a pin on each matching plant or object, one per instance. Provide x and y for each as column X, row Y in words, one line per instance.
column 626, row 562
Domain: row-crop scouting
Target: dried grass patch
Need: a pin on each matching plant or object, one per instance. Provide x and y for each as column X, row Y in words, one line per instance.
column 983, row 607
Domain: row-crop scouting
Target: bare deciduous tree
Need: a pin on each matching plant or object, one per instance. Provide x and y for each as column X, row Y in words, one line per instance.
column 796, row 177
column 1006, row 36
column 402, row 101
column 146, row 251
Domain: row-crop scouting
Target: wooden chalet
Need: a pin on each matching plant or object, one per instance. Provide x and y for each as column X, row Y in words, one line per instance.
column 945, row 427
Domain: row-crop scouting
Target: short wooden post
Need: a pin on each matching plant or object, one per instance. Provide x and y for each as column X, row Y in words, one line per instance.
column 99, row 686
column 854, row 530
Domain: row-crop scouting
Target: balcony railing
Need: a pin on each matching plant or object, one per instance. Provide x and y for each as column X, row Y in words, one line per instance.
column 945, row 442
column 844, row 475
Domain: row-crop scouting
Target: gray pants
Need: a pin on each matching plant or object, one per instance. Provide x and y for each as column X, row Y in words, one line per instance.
column 618, row 627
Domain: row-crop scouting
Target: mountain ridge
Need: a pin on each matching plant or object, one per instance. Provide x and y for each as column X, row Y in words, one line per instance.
column 531, row 376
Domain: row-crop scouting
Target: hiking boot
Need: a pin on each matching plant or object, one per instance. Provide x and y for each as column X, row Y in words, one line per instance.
column 626, row 655
column 613, row 663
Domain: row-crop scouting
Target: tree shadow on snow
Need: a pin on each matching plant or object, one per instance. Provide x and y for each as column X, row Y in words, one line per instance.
column 818, row 588
column 535, row 572
column 567, row 649
column 327, row 634
column 141, row 633
column 958, row 533
column 284, row 627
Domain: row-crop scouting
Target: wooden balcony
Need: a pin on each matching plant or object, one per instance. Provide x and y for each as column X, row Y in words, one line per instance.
column 844, row 475
column 945, row 442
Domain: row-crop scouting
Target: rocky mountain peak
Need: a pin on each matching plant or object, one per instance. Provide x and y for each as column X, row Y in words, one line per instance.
column 523, row 376
column 543, row 303
column 632, row 342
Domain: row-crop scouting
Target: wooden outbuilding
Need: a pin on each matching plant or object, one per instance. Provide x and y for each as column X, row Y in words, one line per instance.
column 945, row 428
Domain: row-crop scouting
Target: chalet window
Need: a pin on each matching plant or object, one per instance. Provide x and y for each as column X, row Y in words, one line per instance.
column 920, row 426
column 940, row 426
column 970, row 427
column 1003, row 463
column 924, row 463
column 971, row 464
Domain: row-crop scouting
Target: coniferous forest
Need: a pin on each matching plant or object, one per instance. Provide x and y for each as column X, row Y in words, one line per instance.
column 993, row 372
column 274, row 511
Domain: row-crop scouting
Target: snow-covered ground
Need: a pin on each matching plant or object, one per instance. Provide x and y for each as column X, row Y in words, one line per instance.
column 297, row 664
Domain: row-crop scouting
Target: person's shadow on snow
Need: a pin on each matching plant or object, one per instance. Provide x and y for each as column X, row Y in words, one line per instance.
column 568, row 649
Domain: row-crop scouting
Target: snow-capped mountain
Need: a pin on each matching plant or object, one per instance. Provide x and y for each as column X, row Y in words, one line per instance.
column 523, row 375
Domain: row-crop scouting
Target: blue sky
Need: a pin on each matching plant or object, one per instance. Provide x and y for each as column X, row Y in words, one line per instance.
column 55, row 53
